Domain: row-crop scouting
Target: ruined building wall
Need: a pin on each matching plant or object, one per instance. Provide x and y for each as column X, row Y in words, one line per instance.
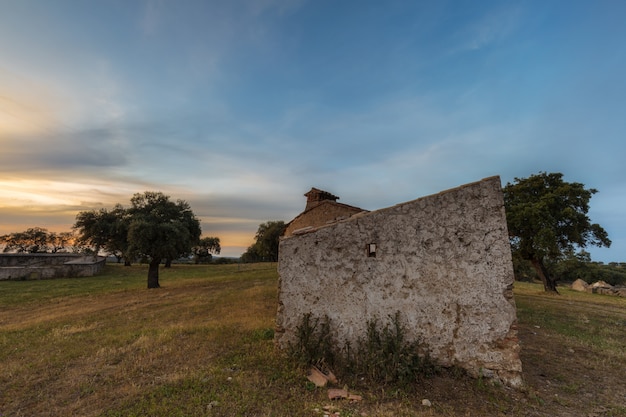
column 320, row 215
column 442, row 261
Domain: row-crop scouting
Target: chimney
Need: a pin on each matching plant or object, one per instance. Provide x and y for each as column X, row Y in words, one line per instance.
column 315, row 197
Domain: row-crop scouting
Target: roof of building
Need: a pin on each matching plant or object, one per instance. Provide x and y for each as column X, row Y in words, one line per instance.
column 318, row 199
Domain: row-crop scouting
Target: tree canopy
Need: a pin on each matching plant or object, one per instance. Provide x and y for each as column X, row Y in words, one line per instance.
column 153, row 227
column 105, row 230
column 36, row 240
column 206, row 246
column 265, row 247
column 547, row 219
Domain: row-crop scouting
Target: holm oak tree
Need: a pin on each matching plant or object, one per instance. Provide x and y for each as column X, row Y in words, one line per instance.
column 153, row 227
column 547, row 218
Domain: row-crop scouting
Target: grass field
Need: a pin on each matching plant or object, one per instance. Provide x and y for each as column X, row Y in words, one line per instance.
column 202, row 346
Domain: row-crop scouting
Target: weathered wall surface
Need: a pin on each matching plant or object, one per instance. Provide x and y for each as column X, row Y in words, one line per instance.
column 443, row 261
column 47, row 266
column 320, row 215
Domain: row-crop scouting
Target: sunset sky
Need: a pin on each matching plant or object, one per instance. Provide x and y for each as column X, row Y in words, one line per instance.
column 241, row 106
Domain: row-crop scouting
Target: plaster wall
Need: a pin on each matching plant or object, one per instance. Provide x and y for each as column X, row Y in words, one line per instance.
column 442, row 261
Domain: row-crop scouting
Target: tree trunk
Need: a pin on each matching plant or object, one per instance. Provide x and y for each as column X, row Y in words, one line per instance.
column 549, row 284
column 168, row 263
column 153, row 274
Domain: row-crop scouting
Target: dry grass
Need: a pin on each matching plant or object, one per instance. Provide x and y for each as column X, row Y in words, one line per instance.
column 202, row 346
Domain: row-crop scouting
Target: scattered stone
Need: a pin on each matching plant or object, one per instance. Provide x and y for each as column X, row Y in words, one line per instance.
column 580, row 285
column 601, row 284
column 319, row 378
column 339, row 394
column 331, row 377
column 598, row 287
column 331, row 411
column 426, row 403
column 605, row 291
column 601, row 287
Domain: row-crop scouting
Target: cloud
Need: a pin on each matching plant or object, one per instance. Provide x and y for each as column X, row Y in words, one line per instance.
column 491, row 28
column 26, row 106
column 63, row 152
column 151, row 17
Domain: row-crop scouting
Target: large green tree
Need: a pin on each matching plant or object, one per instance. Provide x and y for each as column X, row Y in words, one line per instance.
column 105, row 230
column 153, row 227
column 265, row 247
column 160, row 229
column 547, row 219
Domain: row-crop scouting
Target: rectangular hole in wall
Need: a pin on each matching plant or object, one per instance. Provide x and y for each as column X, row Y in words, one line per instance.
column 371, row 250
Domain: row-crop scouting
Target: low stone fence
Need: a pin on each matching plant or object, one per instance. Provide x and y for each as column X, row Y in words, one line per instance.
column 22, row 266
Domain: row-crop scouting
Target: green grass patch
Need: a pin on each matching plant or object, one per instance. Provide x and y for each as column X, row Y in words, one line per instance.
column 202, row 345
column 597, row 321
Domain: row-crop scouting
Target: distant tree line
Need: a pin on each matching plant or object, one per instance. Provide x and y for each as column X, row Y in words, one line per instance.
column 546, row 218
column 38, row 240
column 571, row 267
column 265, row 247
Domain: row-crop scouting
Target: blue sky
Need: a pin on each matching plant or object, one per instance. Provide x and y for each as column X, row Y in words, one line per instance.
column 240, row 107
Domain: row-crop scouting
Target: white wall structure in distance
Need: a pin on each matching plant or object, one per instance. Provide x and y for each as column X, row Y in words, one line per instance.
column 442, row 261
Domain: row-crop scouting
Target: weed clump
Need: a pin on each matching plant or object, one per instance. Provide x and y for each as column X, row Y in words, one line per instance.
column 382, row 356
column 314, row 343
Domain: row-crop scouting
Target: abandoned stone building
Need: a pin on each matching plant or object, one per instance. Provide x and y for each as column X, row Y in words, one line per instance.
column 321, row 208
column 443, row 262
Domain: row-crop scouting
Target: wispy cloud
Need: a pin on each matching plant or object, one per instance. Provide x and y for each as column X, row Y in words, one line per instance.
column 63, row 152
column 492, row 28
column 150, row 17
column 26, row 106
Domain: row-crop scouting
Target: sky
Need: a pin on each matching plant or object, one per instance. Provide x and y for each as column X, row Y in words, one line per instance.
column 239, row 107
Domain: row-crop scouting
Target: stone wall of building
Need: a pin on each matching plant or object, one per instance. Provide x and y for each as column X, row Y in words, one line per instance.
column 442, row 261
